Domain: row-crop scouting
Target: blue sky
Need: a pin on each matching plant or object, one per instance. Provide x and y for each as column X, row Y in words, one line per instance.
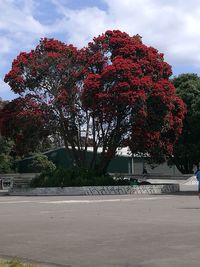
column 170, row 26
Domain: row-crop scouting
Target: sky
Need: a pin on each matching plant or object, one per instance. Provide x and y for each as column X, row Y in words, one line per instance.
column 172, row 27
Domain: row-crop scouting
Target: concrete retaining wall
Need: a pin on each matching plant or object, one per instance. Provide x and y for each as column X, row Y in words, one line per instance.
column 16, row 180
column 97, row 190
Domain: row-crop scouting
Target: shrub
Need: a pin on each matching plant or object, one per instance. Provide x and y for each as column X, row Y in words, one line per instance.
column 6, row 160
column 6, row 163
column 41, row 163
column 74, row 177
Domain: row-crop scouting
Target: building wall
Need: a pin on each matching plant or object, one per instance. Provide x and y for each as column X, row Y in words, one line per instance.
column 164, row 169
column 120, row 164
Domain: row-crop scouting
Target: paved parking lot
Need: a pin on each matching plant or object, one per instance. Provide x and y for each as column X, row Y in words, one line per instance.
column 149, row 231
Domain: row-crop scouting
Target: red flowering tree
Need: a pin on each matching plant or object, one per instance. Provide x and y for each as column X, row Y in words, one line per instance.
column 115, row 92
column 47, row 77
column 129, row 97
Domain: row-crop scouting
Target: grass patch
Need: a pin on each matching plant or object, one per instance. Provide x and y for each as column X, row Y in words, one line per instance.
column 14, row 263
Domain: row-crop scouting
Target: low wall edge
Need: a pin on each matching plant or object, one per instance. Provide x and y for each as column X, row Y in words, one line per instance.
column 97, row 190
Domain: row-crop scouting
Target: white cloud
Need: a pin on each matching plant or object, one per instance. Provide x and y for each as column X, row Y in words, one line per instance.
column 170, row 26
column 19, row 30
column 3, row 85
column 18, row 27
column 5, row 44
column 19, row 17
column 6, row 93
column 81, row 25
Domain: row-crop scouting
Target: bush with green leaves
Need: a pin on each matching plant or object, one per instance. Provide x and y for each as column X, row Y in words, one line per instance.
column 6, row 164
column 75, row 177
column 41, row 163
column 6, row 160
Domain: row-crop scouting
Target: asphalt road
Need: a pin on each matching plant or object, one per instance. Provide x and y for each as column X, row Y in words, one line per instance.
column 138, row 231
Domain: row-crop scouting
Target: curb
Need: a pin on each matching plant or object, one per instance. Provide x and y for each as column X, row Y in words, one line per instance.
column 97, row 190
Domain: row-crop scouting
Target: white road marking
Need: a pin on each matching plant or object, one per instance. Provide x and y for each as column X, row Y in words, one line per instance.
column 74, row 201
column 101, row 200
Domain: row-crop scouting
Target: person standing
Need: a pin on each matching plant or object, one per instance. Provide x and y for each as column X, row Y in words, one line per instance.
column 198, row 178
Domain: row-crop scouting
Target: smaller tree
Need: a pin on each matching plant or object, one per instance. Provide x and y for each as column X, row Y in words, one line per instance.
column 46, row 79
column 41, row 163
column 187, row 149
column 6, row 160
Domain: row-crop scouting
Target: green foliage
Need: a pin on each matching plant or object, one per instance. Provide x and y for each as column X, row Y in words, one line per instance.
column 6, row 163
column 41, row 163
column 187, row 149
column 6, row 160
column 74, row 177
column 188, row 88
